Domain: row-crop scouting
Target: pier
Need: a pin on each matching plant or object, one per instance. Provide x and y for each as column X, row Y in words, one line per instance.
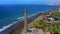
column 18, row 27
column 30, row 20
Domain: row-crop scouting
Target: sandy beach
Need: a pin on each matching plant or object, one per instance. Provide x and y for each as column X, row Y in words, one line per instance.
column 19, row 27
column 38, row 18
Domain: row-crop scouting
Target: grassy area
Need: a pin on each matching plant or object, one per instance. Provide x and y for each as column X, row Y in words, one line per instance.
column 44, row 26
column 57, row 14
column 55, row 30
column 38, row 24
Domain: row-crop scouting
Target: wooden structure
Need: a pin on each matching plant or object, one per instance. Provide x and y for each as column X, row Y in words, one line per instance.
column 25, row 22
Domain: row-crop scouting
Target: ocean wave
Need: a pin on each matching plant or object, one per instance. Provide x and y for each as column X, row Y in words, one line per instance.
column 5, row 27
column 33, row 14
column 18, row 19
column 22, row 18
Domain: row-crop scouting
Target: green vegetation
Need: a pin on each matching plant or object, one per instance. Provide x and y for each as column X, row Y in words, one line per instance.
column 57, row 14
column 45, row 26
column 55, row 30
column 38, row 24
column 53, row 27
column 41, row 25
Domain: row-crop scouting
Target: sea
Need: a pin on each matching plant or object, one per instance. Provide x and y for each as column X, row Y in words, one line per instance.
column 10, row 14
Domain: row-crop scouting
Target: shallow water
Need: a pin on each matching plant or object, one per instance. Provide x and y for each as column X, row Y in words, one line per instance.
column 11, row 13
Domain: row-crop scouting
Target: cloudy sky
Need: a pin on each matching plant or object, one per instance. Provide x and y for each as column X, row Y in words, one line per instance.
column 27, row 1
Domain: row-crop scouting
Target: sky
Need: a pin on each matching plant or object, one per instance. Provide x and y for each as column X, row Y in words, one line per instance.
column 27, row 1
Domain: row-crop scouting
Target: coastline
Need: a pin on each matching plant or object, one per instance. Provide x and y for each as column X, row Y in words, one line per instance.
column 18, row 26
column 21, row 26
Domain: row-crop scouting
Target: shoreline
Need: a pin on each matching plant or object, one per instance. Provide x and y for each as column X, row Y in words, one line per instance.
column 21, row 26
column 18, row 26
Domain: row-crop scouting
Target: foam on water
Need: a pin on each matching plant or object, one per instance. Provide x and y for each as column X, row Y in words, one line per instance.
column 5, row 27
column 18, row 19
column 33, row 14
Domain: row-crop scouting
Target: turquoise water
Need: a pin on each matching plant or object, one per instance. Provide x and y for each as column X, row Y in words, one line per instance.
column 10, row 13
